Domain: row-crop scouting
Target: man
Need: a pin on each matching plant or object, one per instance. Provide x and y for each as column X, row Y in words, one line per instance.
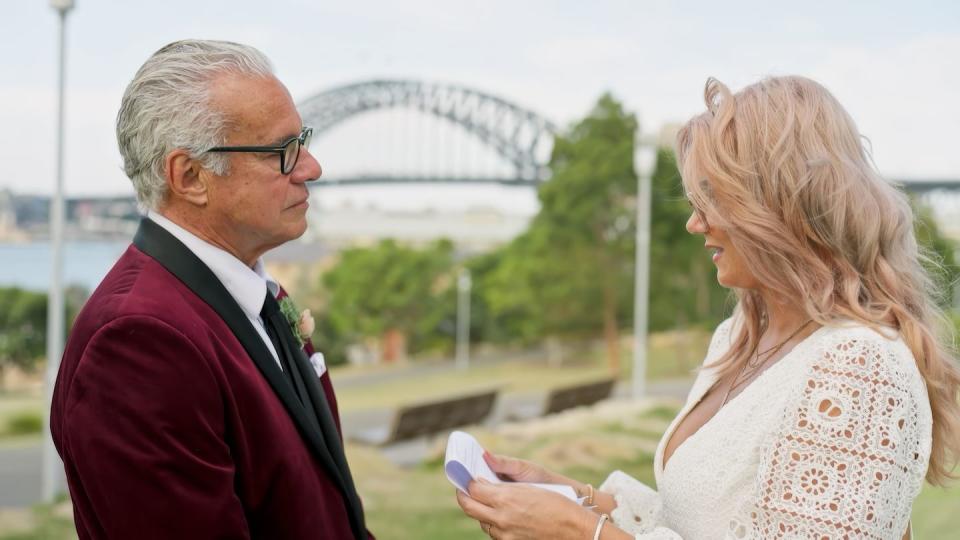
column 185, row 406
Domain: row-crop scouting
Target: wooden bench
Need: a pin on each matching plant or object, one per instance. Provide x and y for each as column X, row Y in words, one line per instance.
column 568, row 397
column 431, row 418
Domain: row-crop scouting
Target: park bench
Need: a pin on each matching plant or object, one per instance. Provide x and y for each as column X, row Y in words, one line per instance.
column 431, row 417
column 567, row 397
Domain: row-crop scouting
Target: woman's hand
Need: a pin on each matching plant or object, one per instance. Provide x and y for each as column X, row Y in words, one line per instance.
column 519, row 512
column 520, row 470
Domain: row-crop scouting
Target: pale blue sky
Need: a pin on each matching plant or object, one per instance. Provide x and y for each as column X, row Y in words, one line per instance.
column 894, row 64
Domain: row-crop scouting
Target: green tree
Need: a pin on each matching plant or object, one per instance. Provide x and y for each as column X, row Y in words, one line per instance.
column 683, row 284
column 23, row 326
column 940, row 250
column 570, row 273
column 389, row 292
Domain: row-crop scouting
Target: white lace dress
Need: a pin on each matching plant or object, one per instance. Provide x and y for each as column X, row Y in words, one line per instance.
column 832, row 441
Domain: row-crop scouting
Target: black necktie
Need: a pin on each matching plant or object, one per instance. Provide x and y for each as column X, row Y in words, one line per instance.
column 277, row 329
column 295, row 368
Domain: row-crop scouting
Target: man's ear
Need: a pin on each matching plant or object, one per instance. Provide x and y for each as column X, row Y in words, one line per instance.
column 186, row 178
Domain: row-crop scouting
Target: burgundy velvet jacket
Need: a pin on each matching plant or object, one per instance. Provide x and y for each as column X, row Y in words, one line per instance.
column 174, row 421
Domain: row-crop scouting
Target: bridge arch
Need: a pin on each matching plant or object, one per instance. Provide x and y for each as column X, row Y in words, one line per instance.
column 518, row 135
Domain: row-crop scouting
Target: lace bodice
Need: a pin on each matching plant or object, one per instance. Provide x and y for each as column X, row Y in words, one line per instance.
column 832, row 441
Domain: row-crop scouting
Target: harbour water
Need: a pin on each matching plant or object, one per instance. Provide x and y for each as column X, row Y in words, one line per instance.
column 27, row 265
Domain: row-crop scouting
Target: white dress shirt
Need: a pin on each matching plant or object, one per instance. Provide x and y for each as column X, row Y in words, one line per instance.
column 248, row 286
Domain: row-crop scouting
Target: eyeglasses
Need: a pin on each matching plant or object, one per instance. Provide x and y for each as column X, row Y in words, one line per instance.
column 289, row 151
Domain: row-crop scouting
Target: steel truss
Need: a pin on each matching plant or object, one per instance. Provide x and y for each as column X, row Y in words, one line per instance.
column 522, row 137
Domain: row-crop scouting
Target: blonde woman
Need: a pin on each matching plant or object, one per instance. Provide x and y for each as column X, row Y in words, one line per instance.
column 828, row 396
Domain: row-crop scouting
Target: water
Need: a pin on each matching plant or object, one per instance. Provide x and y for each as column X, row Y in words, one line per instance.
column 84, row 263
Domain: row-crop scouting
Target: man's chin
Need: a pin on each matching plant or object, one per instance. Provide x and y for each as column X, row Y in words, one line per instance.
column 290, row 233
column 298, row 231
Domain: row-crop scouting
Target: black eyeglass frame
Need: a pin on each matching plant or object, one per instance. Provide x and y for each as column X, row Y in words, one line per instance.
column 302, row 141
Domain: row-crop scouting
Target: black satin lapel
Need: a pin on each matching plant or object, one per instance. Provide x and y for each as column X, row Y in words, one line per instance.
column 162, row 246
column 332, row 436
column 293, row 353
column 319, row 400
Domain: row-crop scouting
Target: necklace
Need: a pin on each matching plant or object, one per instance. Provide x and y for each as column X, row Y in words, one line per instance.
column 755, row 364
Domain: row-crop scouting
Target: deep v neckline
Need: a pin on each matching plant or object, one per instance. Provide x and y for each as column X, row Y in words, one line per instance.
column 687, row 409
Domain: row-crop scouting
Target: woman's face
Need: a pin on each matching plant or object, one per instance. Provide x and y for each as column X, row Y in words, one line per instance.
column 732, row 272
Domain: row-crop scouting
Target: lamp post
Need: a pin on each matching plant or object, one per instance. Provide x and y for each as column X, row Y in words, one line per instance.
column 464, row 284
column 52, row 472
column 644, row 159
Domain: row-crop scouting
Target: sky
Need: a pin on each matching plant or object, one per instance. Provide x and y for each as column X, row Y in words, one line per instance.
column 895, row 65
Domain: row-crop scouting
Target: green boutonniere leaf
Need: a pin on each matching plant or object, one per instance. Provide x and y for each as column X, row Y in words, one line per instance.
column 292, row 315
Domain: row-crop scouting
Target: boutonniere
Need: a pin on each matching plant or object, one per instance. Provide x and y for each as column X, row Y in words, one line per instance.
column 301, row 323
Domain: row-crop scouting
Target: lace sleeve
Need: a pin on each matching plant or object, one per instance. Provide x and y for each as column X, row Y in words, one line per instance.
column 851, row 451
column 639, row 508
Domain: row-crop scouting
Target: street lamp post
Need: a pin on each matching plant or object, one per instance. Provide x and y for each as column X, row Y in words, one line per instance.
column 464, row 284
column 644, row 159
column 52, row 472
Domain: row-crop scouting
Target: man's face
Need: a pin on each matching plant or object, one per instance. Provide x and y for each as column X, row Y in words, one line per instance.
column 255, row 207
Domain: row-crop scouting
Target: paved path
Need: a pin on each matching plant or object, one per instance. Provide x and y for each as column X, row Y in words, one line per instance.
column 20, row 462
column 20, row 474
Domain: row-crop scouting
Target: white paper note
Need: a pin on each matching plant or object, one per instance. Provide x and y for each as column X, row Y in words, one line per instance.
column 464, row 462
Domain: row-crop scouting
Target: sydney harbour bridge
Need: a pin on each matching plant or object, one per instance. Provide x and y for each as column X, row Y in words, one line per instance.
column 422, row 132
column 516, row 141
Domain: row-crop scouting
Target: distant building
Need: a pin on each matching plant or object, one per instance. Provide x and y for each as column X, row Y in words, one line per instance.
column 473, row 230
column 9, row 232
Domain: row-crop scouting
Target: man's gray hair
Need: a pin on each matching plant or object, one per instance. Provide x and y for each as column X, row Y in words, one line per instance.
column 167, row 106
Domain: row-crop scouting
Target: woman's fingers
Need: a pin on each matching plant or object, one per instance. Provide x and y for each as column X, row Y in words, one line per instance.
column 475, row 509
column 483, row 491
column 505, row 466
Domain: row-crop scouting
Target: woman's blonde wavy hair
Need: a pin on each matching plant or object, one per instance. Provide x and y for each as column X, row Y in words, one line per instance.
column 783, row 168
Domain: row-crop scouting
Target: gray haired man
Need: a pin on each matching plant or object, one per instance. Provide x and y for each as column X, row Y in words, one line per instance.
column 187, row 405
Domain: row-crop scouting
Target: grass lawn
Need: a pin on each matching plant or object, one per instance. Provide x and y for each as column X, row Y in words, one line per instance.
column 18, row 409
column 509, row 377
column 671, row 355
column 936, row 513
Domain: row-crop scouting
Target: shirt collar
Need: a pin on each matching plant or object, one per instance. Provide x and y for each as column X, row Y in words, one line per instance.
column 248, row 286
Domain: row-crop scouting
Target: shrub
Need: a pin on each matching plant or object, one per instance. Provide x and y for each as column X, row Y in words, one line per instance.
column 25, row 423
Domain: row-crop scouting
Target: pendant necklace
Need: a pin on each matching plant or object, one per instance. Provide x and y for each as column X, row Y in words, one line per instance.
column 755, row 364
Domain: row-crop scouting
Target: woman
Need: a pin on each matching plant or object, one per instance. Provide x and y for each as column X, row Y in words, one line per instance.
column 827, row 397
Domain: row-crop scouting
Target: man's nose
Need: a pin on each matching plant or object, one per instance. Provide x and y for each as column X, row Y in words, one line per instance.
column 308, row 168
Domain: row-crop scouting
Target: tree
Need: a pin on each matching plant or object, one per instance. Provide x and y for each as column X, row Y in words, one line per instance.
column 23, row 325
column 683, row 284
column 941, row 254
column 570, row 273
column 389, row 292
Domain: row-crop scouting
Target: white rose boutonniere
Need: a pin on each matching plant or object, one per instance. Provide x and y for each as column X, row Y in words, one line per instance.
column 306, row 324
column 301, row 323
